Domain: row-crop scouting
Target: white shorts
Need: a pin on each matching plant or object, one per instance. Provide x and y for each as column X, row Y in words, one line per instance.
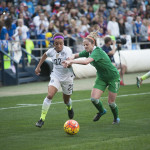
column 67, row 87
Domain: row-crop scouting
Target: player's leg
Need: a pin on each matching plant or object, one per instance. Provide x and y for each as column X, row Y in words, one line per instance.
column 113, row 89
column 68, row 102
column 140, row 79
column 52, row 90
column 145, row 76
column 113, row 106
column 67, row 88
column 95, row 98
column 96, row 93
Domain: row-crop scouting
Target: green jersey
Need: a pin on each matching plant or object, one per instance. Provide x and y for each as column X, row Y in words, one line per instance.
column 105, row 69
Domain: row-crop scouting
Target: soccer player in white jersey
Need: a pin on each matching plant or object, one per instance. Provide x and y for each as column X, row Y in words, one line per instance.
column 60, row 76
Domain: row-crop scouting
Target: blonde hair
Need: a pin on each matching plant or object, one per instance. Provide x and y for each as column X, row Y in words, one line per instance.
column 92, row 37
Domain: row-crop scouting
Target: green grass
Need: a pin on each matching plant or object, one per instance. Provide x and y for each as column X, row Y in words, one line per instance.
column 18, row 131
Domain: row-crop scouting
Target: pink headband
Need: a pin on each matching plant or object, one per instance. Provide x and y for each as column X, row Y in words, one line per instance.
column 59, row 37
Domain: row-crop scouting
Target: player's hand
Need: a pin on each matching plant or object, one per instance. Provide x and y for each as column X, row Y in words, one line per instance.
column 37, row 71
column 66, row 63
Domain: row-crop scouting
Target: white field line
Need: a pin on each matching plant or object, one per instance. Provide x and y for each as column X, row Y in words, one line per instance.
column 33, row 105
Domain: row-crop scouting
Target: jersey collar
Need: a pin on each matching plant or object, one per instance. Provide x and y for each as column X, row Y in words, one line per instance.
column 93, row 49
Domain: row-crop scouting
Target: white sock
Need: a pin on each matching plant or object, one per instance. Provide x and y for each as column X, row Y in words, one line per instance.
column 46, row 103
column 45, row 107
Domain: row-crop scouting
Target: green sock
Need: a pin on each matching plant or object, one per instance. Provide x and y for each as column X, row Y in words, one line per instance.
column 146, row 76
column 98, row 104
column 114, row 110
column 45, row 107
column 69, row 105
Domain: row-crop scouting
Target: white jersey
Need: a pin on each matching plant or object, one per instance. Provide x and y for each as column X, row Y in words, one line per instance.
column 59, row 72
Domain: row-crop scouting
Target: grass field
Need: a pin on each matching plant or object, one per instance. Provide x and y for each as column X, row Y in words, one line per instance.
column 18, row 131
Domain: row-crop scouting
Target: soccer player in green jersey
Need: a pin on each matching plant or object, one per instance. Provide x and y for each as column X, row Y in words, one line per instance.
column 140, row 79
column 107, row 75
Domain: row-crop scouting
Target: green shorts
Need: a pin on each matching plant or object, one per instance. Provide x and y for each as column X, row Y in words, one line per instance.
column 113, row 85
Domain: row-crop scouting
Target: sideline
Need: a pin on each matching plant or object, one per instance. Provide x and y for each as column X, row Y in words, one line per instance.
column 34, row 105
column 79, row 84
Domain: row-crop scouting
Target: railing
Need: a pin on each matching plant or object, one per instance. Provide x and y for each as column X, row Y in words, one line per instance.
column 15, row 63
column 77, row 47
column 24, row 58
column 2, row 53
column 41, row 49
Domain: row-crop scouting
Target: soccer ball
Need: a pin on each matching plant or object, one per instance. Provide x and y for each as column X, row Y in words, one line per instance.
column 71, row 127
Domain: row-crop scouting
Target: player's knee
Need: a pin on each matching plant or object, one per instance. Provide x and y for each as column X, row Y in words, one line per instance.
column 112, row 105
column 49, row 96
column 93, row 100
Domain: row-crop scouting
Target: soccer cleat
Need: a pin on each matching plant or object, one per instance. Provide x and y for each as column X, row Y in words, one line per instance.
column 138, row 82
column 97, row 117
column 121, row 83
column 39, row 123
column 70, row 113
column 116, row 121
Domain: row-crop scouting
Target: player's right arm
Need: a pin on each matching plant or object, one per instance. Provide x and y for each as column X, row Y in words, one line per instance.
column 38, row 68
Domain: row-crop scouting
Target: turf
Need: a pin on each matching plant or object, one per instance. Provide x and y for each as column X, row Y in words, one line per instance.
column 18, row 131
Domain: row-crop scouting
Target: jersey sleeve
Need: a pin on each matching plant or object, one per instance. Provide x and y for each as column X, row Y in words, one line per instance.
column 84, row 54
column 49, row 52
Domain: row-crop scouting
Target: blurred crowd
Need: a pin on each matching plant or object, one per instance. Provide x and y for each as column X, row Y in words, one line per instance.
column 75, row 19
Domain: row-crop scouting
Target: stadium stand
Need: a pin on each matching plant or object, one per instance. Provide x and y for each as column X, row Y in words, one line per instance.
column 76, row 19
